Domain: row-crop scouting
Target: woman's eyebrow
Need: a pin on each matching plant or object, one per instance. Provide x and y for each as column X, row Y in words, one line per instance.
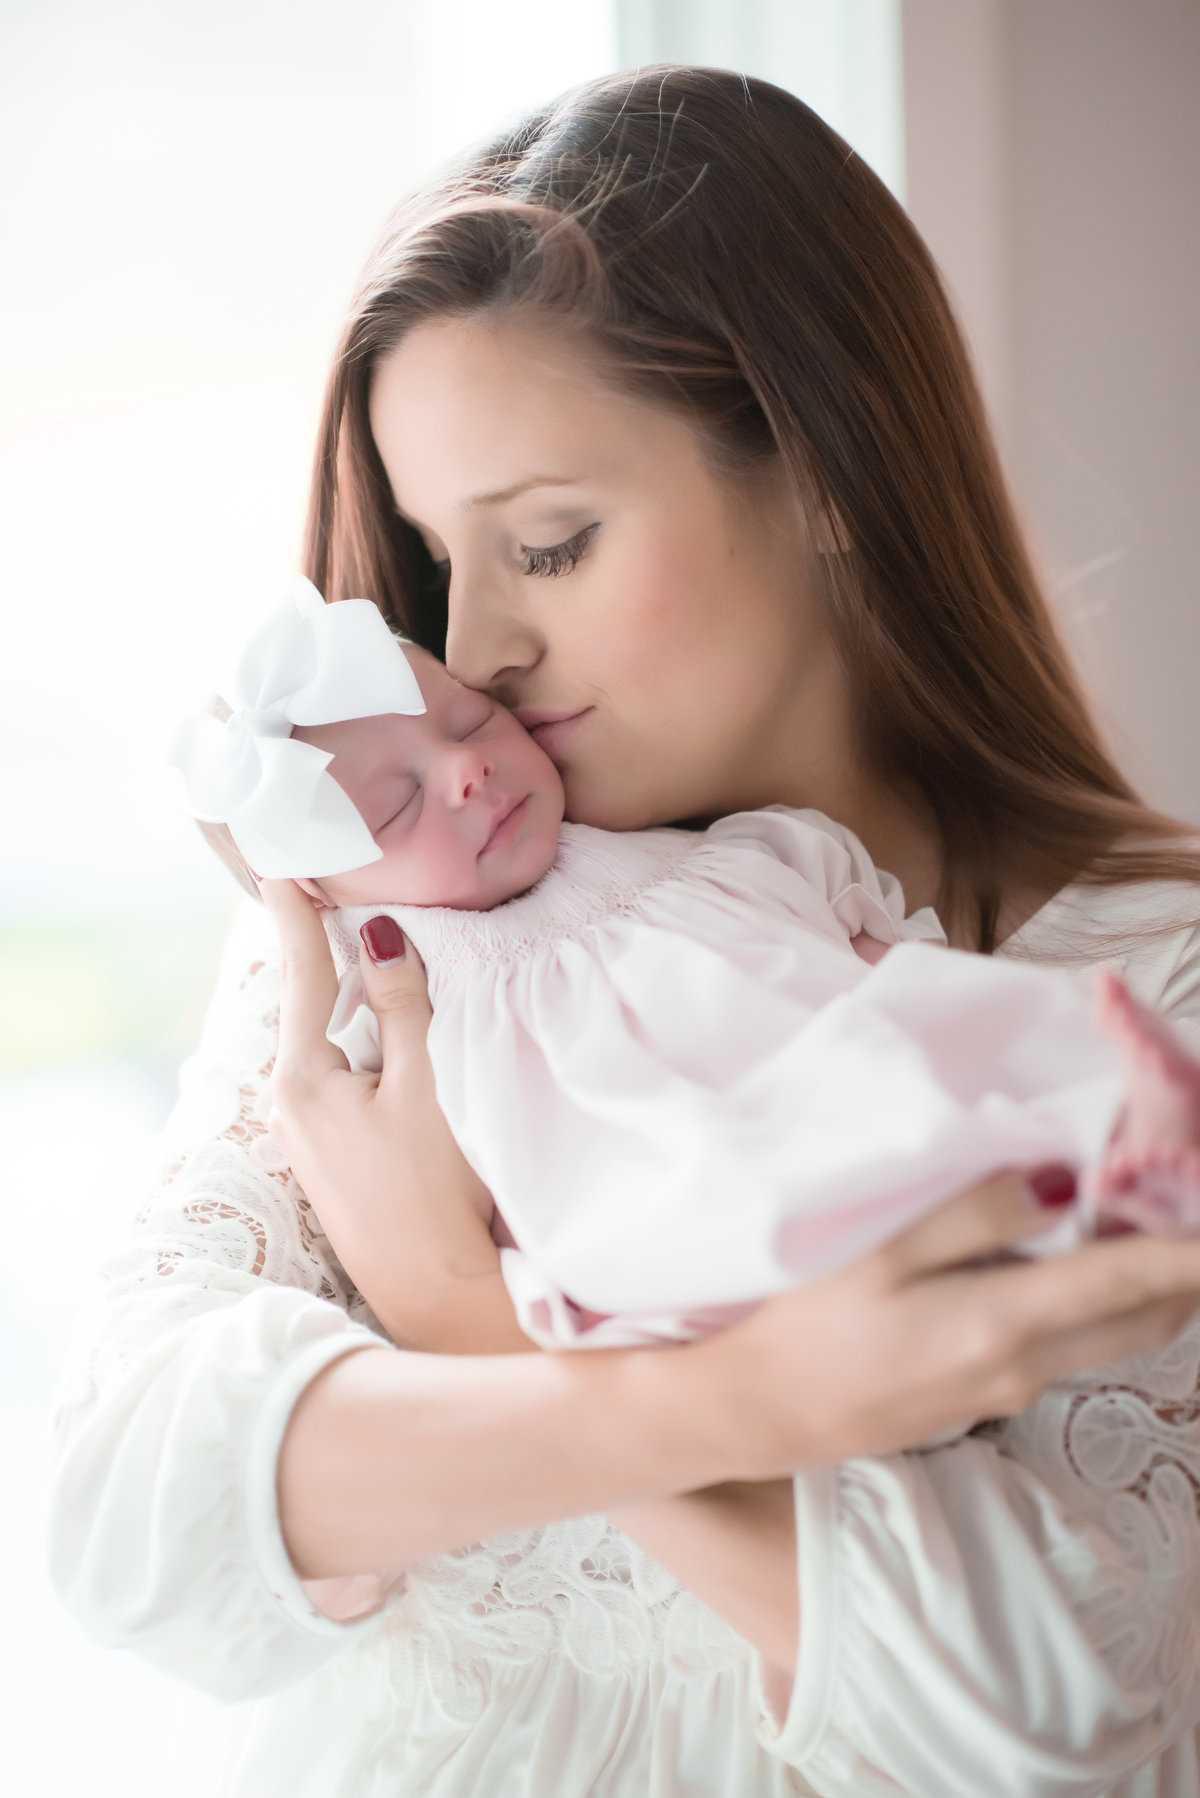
column 503, row 494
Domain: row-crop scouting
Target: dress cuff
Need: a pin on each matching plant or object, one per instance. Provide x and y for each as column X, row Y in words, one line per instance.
column 267, row 1550
column 795, row 1738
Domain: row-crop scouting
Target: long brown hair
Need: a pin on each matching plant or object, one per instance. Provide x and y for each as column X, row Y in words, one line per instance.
column 727, row 254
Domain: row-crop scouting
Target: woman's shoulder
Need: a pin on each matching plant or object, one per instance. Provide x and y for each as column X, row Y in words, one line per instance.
column 1149, row 931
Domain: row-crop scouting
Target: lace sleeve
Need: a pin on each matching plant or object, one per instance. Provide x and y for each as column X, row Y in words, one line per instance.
column 205, row 1325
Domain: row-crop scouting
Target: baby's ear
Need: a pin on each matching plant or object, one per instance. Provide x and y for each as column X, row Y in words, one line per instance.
column 321, row 900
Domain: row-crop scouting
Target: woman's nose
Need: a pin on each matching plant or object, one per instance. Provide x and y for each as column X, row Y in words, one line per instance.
column 488, row 646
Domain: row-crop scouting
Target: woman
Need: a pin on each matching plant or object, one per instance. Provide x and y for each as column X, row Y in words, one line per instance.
column 654, row 421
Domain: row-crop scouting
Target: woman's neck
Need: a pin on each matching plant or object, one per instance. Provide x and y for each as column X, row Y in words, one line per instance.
column 902, row 838
column 899, row 835
column 811, row 759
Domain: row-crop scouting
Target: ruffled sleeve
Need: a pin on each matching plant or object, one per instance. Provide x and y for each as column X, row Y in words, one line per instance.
column 835, row 864
column 205, row 1327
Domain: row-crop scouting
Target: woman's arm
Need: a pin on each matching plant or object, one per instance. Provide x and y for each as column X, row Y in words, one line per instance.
column 894, row 1349
column 225, row 1303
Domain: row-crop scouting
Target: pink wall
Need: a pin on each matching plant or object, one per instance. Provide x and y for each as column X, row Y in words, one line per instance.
column 1053, row 165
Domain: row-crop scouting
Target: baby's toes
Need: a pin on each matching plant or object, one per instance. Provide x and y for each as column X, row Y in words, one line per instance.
column 1162, row 1194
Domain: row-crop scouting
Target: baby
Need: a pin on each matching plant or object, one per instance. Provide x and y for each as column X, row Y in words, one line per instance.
column 693, row 1068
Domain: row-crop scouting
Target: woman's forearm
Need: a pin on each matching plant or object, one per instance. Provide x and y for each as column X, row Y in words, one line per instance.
column 457, row 1307
column 390, row 1456
column 732, row 1545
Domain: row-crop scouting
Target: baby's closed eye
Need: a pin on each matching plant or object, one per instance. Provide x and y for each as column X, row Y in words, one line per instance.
column 396, row 798
column 471, row 713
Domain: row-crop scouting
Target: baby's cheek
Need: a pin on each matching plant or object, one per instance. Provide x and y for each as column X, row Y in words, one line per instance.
column 399, row 877
column 532, row 769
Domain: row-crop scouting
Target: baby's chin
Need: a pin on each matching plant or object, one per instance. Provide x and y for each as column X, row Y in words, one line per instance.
column 519, row 869
column 494, row 881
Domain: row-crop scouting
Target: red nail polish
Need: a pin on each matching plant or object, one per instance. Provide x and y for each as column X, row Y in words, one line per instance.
column 1053, row 1186
column 384, row 939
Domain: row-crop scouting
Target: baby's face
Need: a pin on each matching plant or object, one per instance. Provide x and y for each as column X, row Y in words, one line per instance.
column 464, row 805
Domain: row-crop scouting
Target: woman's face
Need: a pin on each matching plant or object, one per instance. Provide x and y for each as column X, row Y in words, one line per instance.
column 647, row 618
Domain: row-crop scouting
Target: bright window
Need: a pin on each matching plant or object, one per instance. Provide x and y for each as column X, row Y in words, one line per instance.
column 190, row 190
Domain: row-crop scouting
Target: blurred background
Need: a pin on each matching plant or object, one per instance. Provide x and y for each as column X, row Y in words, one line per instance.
column 189, row 189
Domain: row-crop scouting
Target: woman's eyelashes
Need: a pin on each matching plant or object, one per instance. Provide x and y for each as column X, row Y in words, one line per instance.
column 559, row 558
column 534, row 559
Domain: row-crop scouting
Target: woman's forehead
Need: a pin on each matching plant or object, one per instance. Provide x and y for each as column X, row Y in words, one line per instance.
column 470, row 414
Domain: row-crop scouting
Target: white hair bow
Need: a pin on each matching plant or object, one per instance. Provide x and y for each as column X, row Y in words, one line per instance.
column 309, row 663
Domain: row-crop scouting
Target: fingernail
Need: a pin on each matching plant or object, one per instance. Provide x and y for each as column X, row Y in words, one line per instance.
column 384, row 939
column 1053, row 1186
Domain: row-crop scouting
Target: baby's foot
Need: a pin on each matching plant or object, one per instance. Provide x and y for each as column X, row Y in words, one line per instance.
column 1150, row 1175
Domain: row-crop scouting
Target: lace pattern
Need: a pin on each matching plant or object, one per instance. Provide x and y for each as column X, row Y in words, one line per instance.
column 226, row 1211
column 1120, row 1448
column 578, row 1589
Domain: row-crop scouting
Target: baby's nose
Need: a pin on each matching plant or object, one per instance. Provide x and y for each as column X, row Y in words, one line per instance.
column 470, row 774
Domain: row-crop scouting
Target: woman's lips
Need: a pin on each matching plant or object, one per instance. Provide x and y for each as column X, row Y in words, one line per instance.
column 549, row 729
column 506, row 826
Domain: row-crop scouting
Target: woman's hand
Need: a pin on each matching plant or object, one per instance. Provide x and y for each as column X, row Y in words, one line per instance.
column 901, row 1346
column 391, row 1457
column 917, row 1337
column 406, row 1215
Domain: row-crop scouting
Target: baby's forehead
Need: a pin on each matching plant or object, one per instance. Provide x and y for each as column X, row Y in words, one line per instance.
column 423, row 662
column 440, row 691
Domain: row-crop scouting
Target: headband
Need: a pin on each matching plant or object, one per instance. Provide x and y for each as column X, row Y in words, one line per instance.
column 309, row 663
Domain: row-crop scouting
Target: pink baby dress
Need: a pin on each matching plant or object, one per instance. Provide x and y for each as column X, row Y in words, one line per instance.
column 686, row 1091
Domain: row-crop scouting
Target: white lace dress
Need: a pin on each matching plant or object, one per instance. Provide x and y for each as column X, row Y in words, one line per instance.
column 1015, row 1613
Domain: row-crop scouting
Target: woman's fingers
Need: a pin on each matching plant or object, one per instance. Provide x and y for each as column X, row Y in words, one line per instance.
column 1107, row 1279
column 309, row 986
column 990, row 1217
column 1146, row 1330
column 394, row 978
column 1030, row 1323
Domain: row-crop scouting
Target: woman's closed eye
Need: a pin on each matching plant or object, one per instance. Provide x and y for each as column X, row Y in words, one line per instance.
column 537, row 559
column 559, row 558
